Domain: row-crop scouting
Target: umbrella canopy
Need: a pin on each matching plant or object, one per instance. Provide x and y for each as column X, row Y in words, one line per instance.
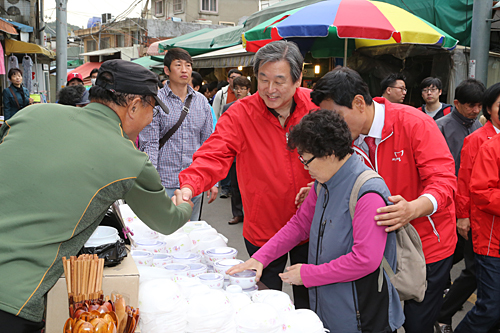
column 322, row 27
column 170, row 43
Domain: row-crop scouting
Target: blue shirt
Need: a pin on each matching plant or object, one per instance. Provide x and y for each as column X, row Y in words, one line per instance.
column 177, row 153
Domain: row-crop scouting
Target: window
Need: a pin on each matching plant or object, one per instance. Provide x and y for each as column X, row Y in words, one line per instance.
column 178, row 6
column 105, row 43
column 209, row 6
column 91, row 46
column 159, row 8
column 120, row 41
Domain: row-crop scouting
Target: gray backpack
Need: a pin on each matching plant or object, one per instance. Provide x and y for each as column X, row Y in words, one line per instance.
column 410, row 277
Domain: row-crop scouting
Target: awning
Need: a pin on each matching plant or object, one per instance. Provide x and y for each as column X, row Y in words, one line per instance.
column 233, row 56
column 154, row 50
column 129, row 52
column 20, row 26
column 7, row 27
column 15, row 46
column 213, row 40
column 149, row 63
column 170, row 43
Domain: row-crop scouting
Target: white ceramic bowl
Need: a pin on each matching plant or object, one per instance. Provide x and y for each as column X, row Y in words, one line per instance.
column 207, row 242
column 161, row 259
column 186, row 258
column 102, row 235
column 212, row 280
column 177, row 271
column 142, row 258
column 197, row 269
column 218, row 253
column 221, row 266
column 177, row 242
column 258, row 318
column 192, row 225
column 197, row 234
column 245, row 279
column 304, row 320
column 151, row 245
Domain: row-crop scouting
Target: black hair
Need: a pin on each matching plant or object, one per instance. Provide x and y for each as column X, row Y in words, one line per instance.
column 222, row 84
column 390, row 80
column 242, row 82
column 431, row 81
column 71, row 95
column 104, row 96
column 13, row 71
column 95, row 70
column 341, row 85
column 232, row 71
column 489, row 98
column 196, row 79
column 176, row 54
column 212, row 85
column 469, row 91
column 203, row 89
column 321, row 133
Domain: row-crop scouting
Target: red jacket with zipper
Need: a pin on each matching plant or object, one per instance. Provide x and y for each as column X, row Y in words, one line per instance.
column 471, row 146
column 485, row 203
column 413, row 158
column 269, row 175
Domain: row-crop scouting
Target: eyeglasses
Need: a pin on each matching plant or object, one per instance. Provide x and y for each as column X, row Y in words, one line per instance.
column 427, row 90
column 306, row 163
column 402, row 88
column 156, row 109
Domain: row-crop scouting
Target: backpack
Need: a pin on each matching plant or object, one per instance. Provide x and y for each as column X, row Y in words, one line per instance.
column 410, row 277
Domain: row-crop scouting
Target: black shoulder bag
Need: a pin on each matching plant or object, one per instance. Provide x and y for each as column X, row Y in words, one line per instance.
column 184, row 112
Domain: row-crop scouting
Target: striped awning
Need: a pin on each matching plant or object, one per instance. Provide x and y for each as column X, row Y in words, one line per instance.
column 233, row 56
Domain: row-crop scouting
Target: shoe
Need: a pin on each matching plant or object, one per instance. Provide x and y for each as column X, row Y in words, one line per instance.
column 236, row 220
column 224, row 194
column 443, row 328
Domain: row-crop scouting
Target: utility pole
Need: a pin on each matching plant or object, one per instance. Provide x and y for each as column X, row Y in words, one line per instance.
column 62, row 41
column 42, row 26
column 480, row 40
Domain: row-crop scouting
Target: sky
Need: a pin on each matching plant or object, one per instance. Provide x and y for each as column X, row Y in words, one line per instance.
column 80, row 11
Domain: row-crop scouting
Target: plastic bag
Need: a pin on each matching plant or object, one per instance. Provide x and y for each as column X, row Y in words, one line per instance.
column 112, row 253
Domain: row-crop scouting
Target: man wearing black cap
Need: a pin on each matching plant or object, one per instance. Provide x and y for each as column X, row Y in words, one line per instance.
column 63, row 167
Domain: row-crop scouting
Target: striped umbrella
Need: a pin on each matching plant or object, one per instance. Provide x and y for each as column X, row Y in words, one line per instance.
column 329, row 28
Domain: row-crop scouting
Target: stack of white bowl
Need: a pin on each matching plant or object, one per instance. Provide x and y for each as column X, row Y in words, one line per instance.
column 304, row 321
column 101, row 236
column 152, row 245
column 259, row 318
column 163, row 307
column 138, row 228
column 218, row 253
column 279, row 300
column 210, row 312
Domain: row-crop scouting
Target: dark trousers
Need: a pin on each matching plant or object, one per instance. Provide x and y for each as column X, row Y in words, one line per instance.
column 486, row 312
column 225, row 184
column 420, row 317
column 12, row 323
column 270, row 277
column 463, row 286
column 236, row 204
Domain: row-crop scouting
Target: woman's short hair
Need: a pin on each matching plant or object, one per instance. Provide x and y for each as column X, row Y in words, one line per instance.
column 321, row 133
column 13, row 71
column 242, row 81
column 489, row 98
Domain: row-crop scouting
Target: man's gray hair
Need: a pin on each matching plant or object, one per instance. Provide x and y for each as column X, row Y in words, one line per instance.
column 277, row 51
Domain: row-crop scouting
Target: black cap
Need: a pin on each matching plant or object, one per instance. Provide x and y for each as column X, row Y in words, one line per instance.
column 130, row 78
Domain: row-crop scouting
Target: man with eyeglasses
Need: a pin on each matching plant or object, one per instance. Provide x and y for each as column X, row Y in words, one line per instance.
column 226, row 94
column 461, row 122
column 192, row 127
column 432, row 88
column 394, row 88
column 62, row 168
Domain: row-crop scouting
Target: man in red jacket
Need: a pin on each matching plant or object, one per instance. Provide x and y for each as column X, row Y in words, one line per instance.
column 406, row 148
column 255, row 131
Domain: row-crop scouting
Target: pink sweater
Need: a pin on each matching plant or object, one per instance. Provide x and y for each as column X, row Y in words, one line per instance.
column 367, row 250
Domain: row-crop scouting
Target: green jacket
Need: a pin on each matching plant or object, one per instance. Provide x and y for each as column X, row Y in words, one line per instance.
column 61, row 168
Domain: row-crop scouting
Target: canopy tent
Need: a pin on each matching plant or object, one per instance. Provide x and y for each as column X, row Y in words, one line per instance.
column 8, row 27
column 233, row 56
column 214, row 40
column 85, row 70
column 170, row 43
column 15, row 46
column 151, row 64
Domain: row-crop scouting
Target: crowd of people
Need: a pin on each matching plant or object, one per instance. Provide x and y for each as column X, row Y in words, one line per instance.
column 289, row 157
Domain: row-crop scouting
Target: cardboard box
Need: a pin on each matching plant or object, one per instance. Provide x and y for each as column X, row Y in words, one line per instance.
column 122, row 279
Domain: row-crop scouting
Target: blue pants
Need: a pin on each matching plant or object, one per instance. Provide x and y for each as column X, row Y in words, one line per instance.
column 195, row 215
column 486, row 313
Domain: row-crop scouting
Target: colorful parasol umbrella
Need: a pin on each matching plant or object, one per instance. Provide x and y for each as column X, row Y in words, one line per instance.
column 328, row 28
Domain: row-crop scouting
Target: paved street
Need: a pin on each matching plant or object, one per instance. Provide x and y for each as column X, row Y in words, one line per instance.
column 219, row 212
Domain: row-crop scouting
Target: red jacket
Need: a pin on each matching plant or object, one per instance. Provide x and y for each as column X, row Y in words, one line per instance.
column 485, row 195
column 269, row 175
column 413, row 158
column 471, row 146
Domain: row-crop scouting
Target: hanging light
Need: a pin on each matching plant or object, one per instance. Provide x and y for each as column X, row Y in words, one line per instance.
column 240, row 68
column 317, row 69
